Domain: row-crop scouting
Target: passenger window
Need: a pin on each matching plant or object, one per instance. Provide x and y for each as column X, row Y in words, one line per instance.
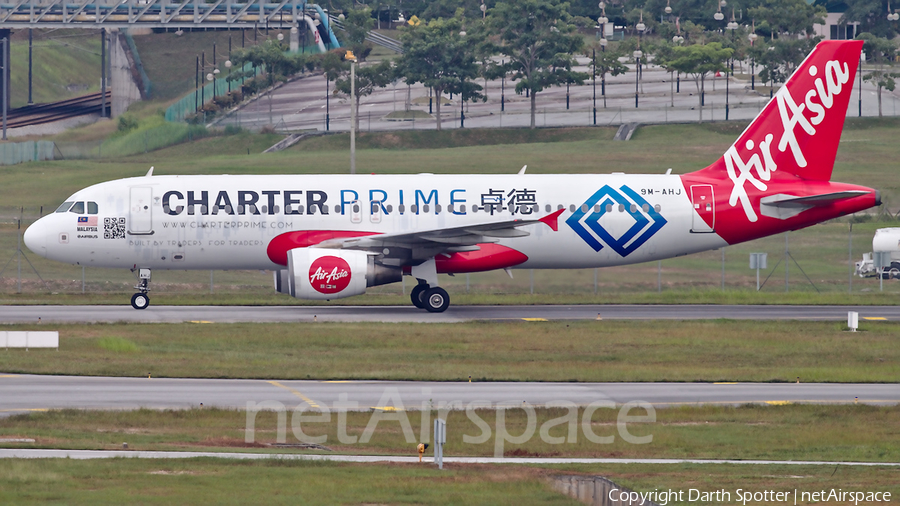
column 92, row 208
column 78, row 208
column 548, row 207
column 64, row 207
column 390, row 208
column 401, row 208
column 657, row 207
column 424, row 208
column 571, row 208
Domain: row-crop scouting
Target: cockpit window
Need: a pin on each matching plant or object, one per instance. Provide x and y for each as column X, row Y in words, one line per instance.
column 64, row 207
column 78, row 208
column 92, row 207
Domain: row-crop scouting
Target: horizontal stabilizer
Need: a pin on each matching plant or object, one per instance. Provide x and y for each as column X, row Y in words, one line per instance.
column 784, row 206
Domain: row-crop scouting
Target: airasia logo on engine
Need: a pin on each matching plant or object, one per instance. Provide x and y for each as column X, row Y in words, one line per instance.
column 329, row 274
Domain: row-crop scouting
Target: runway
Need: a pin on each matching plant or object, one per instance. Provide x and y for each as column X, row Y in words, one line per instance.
column 398, row 314
column 22, row 393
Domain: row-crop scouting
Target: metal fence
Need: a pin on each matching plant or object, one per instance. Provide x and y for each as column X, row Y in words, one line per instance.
column 12, row 153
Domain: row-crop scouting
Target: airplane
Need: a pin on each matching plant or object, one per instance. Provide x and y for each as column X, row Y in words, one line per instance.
column 332, row 236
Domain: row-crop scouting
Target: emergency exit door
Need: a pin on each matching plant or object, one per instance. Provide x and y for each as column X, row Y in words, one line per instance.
column 140, row 217
column 704, row 215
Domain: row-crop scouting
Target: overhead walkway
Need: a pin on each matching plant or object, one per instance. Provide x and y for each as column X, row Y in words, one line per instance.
column 19, row 14
column 372, row 36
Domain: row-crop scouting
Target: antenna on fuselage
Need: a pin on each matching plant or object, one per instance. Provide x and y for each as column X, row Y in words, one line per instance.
column 150, row 172
column 522, row 170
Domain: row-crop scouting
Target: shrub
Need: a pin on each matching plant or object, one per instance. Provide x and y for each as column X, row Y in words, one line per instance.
column 127, row 122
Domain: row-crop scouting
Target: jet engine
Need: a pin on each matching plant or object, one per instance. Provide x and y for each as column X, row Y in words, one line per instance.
column 314, row 273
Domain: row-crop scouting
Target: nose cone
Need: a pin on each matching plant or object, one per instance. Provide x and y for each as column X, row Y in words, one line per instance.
column 36, row 237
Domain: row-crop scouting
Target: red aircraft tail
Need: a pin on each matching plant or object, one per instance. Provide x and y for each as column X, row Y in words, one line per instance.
column 775, row 176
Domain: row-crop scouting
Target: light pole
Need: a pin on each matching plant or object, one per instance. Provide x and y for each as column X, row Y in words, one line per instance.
column 752, row 38
column 503, row 87
column 679, row 40
column 352, row 59
column 638, row 54
column 731, row 26
column 602, row 20
column 594, row 82
column 327, row 115
column 228, row 66
column 462, row 93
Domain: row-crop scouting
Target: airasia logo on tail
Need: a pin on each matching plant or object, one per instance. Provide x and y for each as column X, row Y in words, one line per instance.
column 329, row 274
column 798, row 132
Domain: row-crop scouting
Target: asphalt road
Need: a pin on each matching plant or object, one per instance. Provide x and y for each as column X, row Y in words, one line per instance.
column 233, row 314
column 301, row 105
column 21, row 393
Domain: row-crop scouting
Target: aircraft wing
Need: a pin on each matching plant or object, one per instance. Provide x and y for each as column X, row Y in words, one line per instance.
column 423, row 244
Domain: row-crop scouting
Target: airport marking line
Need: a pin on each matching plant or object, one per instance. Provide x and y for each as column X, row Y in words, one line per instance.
column 309, row 401
column 725, row 383
column 23, row 409
column 8, row 375
column 880, row 318
column 199, row 321
column 535, row 319
column 104, row 454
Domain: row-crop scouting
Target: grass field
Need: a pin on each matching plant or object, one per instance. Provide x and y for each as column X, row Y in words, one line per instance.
column 213, row 481
column 486, row 351
column 856, row 433
column 866, row 157
column 291, row 482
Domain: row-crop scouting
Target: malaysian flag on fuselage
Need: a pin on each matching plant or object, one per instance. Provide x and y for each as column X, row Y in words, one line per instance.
column 87, row 221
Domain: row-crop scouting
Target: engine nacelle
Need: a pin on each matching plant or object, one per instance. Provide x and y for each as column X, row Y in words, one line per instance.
column 331, row 274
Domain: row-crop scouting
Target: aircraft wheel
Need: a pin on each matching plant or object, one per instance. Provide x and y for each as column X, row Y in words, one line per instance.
column 436, row 300
column 140, row 301
column 416, row 295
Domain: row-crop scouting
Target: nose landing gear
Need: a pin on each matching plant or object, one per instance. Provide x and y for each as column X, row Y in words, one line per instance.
column 141, row 300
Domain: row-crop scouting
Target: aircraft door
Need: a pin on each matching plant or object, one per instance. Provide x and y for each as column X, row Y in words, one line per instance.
column 140, row 219
column 704, row 215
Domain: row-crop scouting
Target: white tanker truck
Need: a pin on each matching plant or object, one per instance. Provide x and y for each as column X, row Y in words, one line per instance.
column 886, row 252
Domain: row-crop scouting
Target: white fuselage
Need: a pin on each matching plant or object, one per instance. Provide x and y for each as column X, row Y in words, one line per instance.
column 168, row 222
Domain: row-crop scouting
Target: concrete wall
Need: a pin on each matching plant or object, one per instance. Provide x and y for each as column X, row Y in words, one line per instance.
column 125, row 91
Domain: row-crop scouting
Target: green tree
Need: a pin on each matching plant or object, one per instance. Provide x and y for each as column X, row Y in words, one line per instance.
column 539, row 42
column 882, row 51
column 368, row 78
column 270, row 56
column 780, row 57
column 357, row 24
column 777, row 17
column 697, row 61
column 871, row 16
column 606, row 62
column 439, row 57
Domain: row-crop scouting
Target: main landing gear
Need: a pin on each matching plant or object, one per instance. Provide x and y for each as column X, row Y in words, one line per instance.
column 141, row 300
column 427, row 295
column 432, row 299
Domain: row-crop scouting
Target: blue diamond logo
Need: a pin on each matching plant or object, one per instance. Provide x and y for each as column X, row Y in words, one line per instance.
column 586, row 223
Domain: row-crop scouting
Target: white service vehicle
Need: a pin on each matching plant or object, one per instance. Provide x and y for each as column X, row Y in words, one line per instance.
column 885, row 251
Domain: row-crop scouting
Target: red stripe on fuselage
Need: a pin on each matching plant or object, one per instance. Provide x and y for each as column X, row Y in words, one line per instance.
column 281, row 244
